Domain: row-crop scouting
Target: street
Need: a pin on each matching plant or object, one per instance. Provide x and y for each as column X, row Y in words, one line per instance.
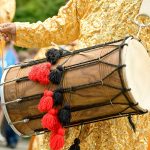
column 22, row 145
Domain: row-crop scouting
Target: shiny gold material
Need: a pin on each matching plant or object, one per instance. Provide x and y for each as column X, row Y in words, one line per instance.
column 90, row 21
column 93, row 22
column 7, row 12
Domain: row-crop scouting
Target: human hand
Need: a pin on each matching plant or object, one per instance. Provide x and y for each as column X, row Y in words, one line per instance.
column 8, row 31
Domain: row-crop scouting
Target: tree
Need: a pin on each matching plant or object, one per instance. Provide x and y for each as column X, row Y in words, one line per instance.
column 34, row 10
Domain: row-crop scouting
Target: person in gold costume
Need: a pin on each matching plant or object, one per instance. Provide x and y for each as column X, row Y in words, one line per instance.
column 91, row 22
column 7, row 11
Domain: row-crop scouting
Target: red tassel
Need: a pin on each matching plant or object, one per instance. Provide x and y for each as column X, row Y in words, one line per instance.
column 46, row 103
column 48, row 93
column 57, row 139
column 50, row 120
column 32, row 75
column 40, row 73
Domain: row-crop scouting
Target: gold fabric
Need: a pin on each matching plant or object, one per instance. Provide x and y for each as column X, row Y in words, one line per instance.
column 7, row 12
column 93, row 22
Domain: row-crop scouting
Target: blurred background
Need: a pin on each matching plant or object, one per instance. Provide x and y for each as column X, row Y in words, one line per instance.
column 35, row 10
column 26, row 11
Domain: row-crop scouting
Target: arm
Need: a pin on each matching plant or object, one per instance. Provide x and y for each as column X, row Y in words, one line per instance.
column 60, row 29
column 7, row 10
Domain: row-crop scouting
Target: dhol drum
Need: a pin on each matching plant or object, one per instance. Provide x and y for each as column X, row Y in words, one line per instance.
column 102, row 82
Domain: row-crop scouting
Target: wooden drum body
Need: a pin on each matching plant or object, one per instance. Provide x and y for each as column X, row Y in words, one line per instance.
column 103, row 82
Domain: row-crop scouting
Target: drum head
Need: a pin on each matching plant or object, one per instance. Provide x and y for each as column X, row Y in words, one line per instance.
column 137, row 72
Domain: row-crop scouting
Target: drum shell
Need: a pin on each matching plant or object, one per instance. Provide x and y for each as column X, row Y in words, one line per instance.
column 88, row 104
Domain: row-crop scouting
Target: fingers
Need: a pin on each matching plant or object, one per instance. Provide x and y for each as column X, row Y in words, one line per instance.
column 5, row 30
column 8, row 31
column 5, row 27
column 6, row 37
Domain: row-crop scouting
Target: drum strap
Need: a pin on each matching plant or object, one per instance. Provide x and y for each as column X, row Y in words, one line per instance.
column 145, row 8
column 131, row 123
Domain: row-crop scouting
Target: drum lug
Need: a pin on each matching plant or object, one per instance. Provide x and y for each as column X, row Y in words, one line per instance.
column 39, row 133
column 14, row 101
column 21, row 121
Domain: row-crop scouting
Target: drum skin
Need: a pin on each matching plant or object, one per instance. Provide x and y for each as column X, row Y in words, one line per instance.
column 85, row 102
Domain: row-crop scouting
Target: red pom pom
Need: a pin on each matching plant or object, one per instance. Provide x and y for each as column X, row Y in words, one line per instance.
column 48, row 93
column 50, row 120
column 32, row 74
column 57, row 139
column 53, row 112
column 46, row 103
column 40, row 73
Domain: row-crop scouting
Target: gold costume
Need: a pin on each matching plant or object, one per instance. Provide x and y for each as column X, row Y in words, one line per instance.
column 7, row 12
column 93, row 22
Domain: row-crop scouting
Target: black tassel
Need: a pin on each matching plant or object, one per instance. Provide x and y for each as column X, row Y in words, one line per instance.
column 56, row 75
column 131, row 123
column 64, row 115
column 58, row 97
column 76, row 145
column 52, row 55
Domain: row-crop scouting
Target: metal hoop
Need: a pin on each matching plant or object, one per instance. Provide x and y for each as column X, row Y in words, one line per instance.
column 141, row 24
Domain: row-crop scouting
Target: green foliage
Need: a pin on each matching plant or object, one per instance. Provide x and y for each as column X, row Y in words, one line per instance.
column 34, row 10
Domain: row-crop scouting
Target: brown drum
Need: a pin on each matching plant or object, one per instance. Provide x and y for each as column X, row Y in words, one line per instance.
column 101, row 82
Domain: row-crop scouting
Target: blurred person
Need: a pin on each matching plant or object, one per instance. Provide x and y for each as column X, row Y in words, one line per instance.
column 27, row 55
column 11, row 137
column 32, row 52
column 10, row 58
column 7, row 11
column 23, row 56
column 91, row 22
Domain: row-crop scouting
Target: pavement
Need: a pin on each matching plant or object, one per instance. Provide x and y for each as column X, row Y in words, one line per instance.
column 22, row 145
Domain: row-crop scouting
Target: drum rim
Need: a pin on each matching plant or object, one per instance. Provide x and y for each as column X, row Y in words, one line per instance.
column 4, row 106
column 124, row 74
